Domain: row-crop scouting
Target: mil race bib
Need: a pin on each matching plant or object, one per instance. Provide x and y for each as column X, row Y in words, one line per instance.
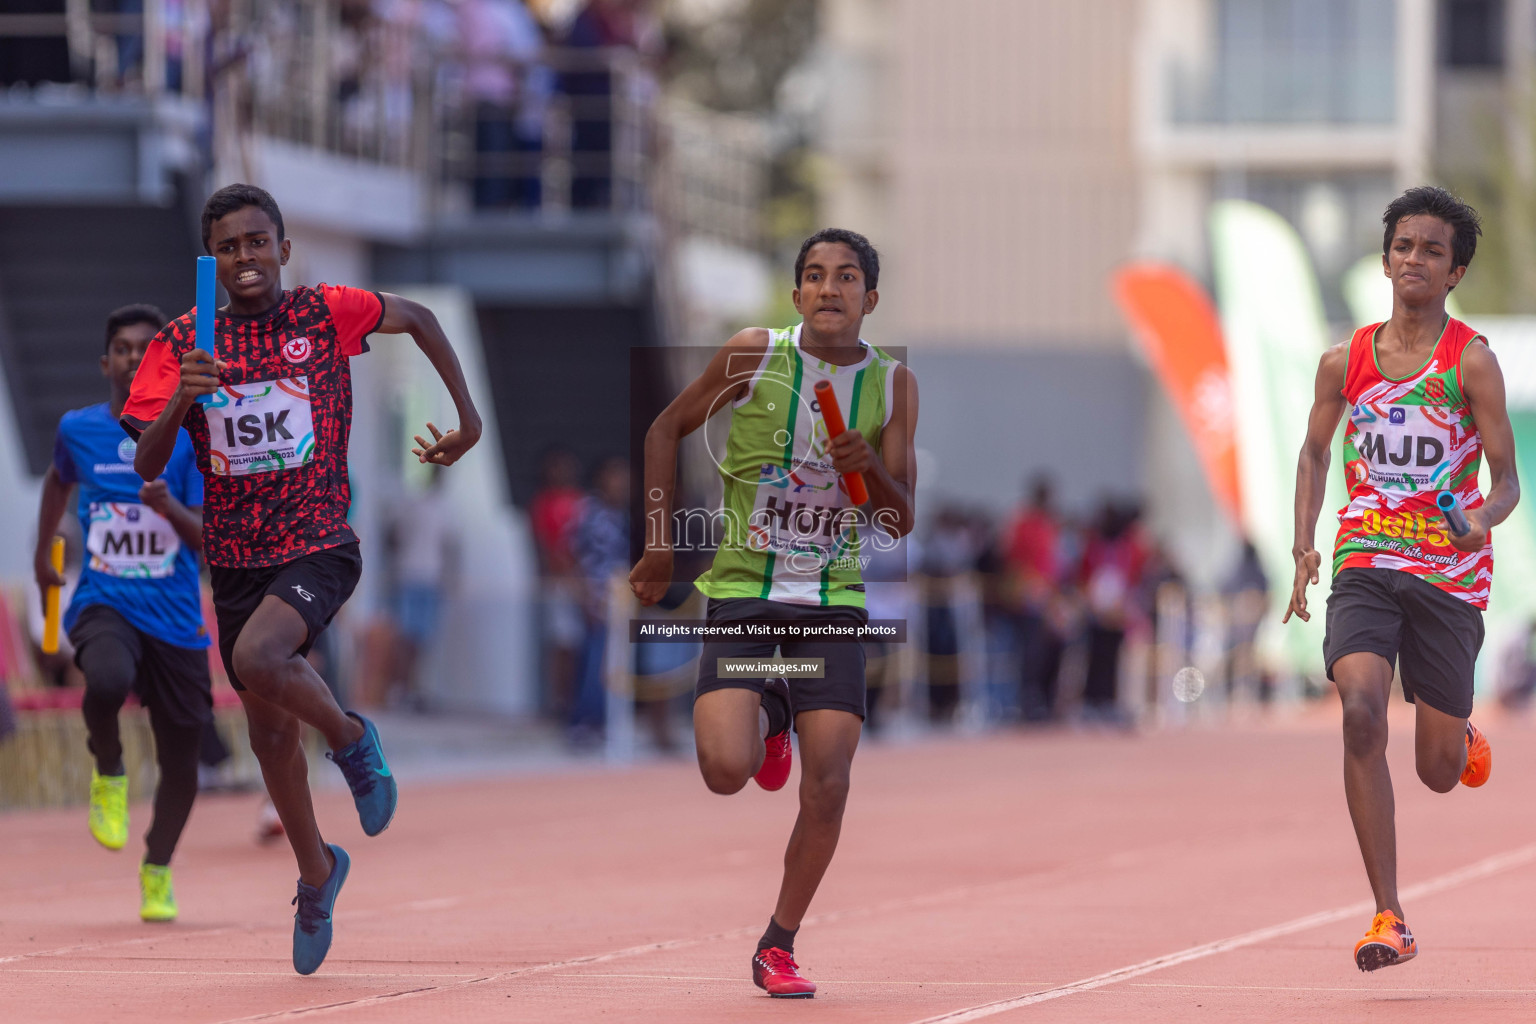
column 265, row 427
column 131, row 541
column 795, row 515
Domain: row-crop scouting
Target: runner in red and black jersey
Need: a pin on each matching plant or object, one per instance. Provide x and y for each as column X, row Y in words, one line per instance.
column 271, row 443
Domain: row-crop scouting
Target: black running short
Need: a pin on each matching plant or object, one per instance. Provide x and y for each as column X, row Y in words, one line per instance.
column 172, row 682
column 1432, row 636
column 314, row 585
column 841, row 687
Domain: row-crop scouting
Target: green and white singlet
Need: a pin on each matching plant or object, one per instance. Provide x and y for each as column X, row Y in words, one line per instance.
column 786, row 524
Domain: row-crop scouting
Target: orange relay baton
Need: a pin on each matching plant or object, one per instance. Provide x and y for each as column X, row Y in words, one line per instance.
column 51, row 600
column 832, row 416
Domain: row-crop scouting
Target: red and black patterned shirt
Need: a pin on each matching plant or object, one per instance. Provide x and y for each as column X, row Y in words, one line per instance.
column 272, row 442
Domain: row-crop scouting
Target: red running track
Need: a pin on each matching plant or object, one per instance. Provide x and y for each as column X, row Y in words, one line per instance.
column 1176, row 876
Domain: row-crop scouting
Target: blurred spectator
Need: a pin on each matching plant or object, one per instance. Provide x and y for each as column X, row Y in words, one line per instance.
column 1517, row 678
column 1168, row 606
column 999, row 621
column 500, row 40
column 949, row 554
column 425, row 546
column 1111, row 570
column 416, row 39
column 1247, row 599
column 887, row 595
column 7, row 713
column 553, row 514
column 600, row 24
column 600, row 543
column 128, row 46
column 1034, row 556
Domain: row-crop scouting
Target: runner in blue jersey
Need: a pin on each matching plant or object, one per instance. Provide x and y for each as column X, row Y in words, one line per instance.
column 136, row 618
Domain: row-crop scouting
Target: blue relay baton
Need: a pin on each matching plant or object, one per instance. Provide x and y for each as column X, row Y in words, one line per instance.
column 1455, row 518
column 204, row 334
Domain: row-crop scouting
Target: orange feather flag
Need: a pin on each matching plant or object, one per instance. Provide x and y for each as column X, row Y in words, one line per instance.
column 1176, row 326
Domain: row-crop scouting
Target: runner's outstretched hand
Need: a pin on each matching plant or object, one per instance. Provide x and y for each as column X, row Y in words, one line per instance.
column 652, row 575
column 445, row 449
column 1307, row 564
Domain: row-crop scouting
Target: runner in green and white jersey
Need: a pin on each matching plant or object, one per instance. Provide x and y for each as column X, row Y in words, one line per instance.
column 782, row 494
column 790, row 552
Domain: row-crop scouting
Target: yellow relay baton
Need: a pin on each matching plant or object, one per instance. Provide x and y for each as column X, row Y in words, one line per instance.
column 51, row 600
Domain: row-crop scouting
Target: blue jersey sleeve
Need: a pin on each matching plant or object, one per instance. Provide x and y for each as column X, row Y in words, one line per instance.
column 63, row 462
column 191, row 477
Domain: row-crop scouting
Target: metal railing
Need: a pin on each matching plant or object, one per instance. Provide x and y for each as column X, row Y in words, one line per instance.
column 579, row 134
column 159, row 49
column 574, row 129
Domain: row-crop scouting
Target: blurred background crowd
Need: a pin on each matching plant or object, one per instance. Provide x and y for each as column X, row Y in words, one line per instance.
column 593, row 194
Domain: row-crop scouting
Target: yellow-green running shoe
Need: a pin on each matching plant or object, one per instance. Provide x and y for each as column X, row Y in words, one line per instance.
column 109, row 809
column 159, row 899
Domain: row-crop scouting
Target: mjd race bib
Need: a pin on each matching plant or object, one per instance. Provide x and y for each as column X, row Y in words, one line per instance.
column 1405, row 450
column 131, row 541
column 796, row 515
column 265, row 427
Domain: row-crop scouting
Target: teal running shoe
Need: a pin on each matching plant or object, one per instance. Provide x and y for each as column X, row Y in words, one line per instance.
column 368, row 776
column 312, row 921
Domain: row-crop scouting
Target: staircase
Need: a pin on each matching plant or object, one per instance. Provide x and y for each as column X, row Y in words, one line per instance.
column 62, row 270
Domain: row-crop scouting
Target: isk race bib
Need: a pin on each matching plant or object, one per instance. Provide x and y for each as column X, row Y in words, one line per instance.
column 796, row 516
column 131, row 541
column 265, row 427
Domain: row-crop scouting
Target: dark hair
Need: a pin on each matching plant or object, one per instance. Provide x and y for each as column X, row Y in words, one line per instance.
column 1435, row 202
column 126, row 316
column 237, row 197
column 869, row 259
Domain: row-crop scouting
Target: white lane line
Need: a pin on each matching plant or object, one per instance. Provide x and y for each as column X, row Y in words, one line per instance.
column 179, row 933
column 1471, row 873
column 1375, row 990
column 392, row 975
column 596, row 958
column 735, row 979
column 185, row 933
column 852, row 913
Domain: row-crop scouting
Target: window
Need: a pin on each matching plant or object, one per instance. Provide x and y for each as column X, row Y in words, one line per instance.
column 1472, row 33
column 1295, row 62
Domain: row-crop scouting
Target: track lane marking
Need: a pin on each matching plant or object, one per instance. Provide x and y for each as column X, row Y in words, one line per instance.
column 1473, row 872
column 1336, row 988
column 736, row 979
column 395, row 975
column 852, row 913
column 194, row 932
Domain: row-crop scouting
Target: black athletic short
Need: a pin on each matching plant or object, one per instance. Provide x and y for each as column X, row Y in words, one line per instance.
column 172, row 682
column 1433, row 636
column 841, row 687
column 314, row 585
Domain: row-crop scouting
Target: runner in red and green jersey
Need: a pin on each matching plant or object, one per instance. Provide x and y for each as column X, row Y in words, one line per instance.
column 1425, row 399
column 1408, row 439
